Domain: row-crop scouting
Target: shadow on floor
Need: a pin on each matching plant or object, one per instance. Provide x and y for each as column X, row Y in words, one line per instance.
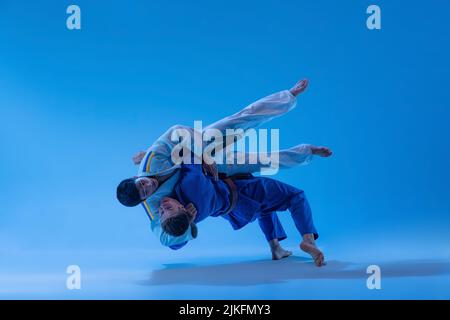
column 292, row 268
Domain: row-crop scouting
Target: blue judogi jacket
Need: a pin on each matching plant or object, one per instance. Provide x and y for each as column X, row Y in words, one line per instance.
column 212, row 198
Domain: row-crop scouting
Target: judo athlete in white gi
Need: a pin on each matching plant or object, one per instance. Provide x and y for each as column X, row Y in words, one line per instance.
column 158, row 174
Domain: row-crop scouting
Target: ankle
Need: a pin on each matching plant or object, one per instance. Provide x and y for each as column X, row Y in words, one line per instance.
column 274, row 245
column 309, row 237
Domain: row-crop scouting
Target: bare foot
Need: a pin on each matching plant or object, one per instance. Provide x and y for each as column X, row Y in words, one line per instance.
column 279, row 253
column 311, row 248
column 321, row 151
column 299, row 87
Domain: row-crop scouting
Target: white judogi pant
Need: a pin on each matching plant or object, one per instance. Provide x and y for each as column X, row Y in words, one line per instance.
column 255, row 115
column 251, row 117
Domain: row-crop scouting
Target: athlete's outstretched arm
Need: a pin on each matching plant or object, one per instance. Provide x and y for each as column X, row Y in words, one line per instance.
column 137, row 158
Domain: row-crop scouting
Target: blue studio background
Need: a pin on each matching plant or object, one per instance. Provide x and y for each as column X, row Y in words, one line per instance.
column 76, row 105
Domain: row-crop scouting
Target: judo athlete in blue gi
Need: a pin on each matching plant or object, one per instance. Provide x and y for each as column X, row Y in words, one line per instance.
column 240, row 199
column 158, row 174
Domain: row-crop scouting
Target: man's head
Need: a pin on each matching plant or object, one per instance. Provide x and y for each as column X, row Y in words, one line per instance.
column 175, row 218
column 132, row 191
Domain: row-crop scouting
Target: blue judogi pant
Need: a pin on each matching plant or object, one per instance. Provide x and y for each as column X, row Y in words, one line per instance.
column 260, row 197
column 271, row 227
column 257, row 198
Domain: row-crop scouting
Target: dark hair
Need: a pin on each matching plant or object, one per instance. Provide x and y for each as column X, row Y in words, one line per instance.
column 127, row 193
column 176, row 225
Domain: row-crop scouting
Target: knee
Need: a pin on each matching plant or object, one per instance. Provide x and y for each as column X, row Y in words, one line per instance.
column 298, row 195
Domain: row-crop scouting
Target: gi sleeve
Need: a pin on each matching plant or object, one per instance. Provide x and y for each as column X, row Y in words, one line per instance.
column 201, row 191
column 158, row 158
